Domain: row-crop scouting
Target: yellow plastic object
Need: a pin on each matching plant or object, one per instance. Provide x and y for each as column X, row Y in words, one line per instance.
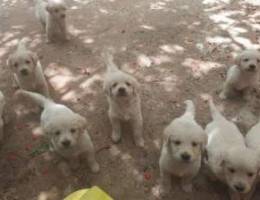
column 94, row 193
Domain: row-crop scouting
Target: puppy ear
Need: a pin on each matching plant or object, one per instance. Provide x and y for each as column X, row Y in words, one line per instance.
column 238, row 60
column 136, row 88
column 107, row 89
column 34, row 58
column 204, row 142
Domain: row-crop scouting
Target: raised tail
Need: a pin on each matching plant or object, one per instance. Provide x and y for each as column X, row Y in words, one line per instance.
column 109, row 60
column 22, row 46
column 215, row 114
column 39, row 99
column 190, row 109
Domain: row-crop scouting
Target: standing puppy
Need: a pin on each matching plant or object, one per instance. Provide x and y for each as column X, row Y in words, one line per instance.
column 52, row 15
column 66, row 130
column 184, row 142
column 228, row 158
column 27, row 70
column 243, row 76
column 122, row 91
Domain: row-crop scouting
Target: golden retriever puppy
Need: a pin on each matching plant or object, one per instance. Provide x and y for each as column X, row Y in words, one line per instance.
column 27, row 70
column 65, row 129
column 122, row 91
column 183, row 144
column 52, row 16
column 228, row 158
column 243, row 76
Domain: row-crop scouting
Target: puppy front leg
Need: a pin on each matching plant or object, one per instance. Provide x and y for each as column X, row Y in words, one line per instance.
column 165, row 183
column 116, row 128
column 227, row 91
column 42, row 83
column 16, row 83
column 138, row 131
column 186, row 184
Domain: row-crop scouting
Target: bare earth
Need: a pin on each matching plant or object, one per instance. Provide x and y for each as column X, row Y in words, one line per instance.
column 177, row 49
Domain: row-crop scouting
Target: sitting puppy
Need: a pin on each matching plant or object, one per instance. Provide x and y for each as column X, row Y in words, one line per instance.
column 228, row 158
column 122, row 91
column 52, row 15
column 2, row 121
column 27, row 70
column 184, row 142
column 243, row 76
column 65, row 130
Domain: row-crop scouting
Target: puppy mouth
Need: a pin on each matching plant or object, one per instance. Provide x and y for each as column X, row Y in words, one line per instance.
column 122, row 92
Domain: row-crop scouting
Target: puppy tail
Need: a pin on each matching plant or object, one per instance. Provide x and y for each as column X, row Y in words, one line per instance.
column 213, row 110
column 39, row 99
column 190, row 109
column 22, row 46
column 109, row 60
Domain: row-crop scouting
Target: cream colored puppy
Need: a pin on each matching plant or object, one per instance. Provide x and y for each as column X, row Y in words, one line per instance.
column 243, row 76
column 228, row 158
column 2, row 121
column 65, row 129
column 122, row 91
column 27, row 70
column 183, row 144
column 52, row 16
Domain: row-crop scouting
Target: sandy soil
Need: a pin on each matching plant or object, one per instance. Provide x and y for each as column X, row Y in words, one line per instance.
column 177, row 49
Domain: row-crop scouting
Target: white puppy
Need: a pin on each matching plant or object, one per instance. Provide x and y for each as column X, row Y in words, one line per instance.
column 52, row 15
column 65, row 129
column 228, row 158
column 243, row 76
column 2, row 121
column 122, row 91
column 184, row 142
column 27, row 69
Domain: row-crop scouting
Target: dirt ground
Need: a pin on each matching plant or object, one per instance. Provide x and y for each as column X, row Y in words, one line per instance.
column 177, row 49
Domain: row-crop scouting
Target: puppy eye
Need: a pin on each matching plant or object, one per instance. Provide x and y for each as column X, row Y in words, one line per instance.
column 194, row 144
column 231, row 170
column 15, row 64
column 114, row 85
column 250, row 174
column 128, row 84
column 246, row 60
column 27, row 61
column 57, row 133
column 177, row 142
column 73, row 130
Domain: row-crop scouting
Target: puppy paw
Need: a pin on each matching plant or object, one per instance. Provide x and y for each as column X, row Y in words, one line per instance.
column 116, row 137
column 187, row 188
column 95, row 167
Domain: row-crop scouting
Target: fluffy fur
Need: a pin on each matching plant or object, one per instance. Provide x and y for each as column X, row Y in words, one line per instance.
column 184, row 142
column 228, row 158
column 122, row 91
column 243, row 76
column 65, row 129
column 27, row 70
column 52, row 16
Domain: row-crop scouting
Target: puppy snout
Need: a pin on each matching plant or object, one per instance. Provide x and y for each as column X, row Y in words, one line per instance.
column 252, row 67
column 24, row 72
column 185, row 156
column 66, row 143
column 122, row 91
column 240, row 187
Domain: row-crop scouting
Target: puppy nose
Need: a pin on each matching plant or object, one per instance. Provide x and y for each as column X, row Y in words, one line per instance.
column 185, row 156
column 66, row 143
column 24, row 72
column 252, row 67
column 122, row 91
column 240, row 187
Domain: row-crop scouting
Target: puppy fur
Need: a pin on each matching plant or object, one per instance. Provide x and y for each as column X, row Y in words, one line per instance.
column 2, row 122
column 122, row 91
column 65, row 129
column 228, row 158
column 243, row 76
column 27, row 70
column 183, row 144
column 52, row 16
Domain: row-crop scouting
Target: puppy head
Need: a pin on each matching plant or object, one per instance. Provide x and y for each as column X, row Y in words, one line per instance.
column 240, row 167
column 65, row 131
column 57, row 9
column 248, row 60
column 121, row 85
column 185, row 142
column 22, row 62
